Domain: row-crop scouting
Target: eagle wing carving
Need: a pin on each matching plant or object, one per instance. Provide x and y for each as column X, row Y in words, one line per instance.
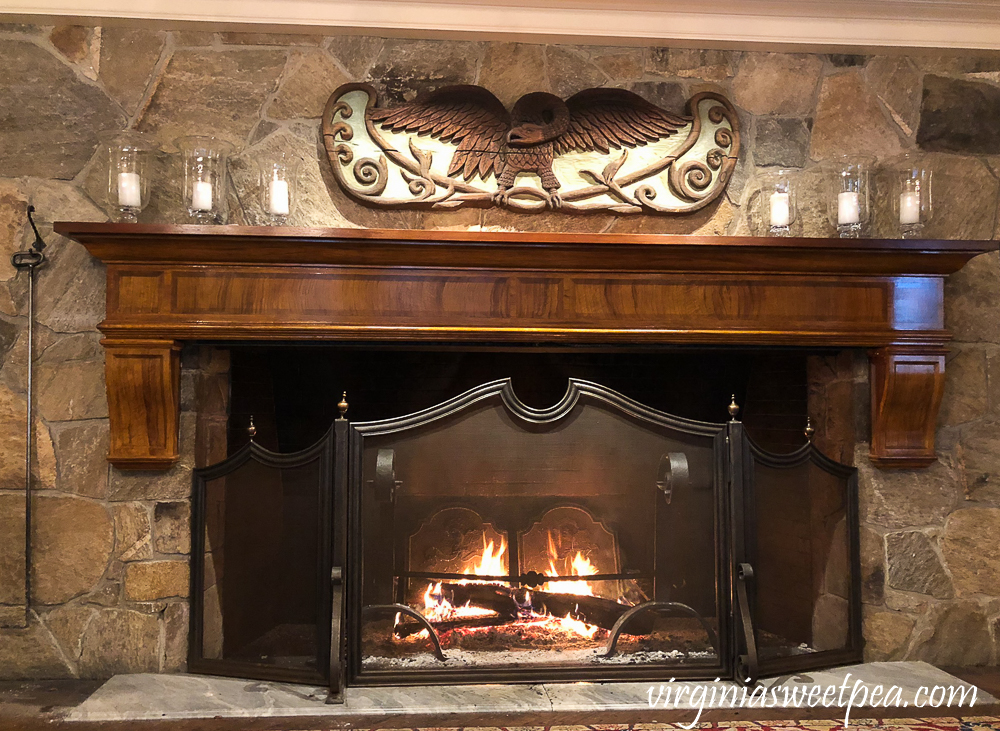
column 606, row 119
column 469, row 117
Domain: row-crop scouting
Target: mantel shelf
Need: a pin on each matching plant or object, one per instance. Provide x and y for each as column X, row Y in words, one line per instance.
column 188, row 244
column 169, row 284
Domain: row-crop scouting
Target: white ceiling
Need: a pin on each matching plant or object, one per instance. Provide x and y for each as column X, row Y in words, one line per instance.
column 781, row 24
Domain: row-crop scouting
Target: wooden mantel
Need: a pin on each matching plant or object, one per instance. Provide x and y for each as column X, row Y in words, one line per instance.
column 169, row 284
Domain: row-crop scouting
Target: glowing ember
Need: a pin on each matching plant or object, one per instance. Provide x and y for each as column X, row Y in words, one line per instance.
column 581, row 628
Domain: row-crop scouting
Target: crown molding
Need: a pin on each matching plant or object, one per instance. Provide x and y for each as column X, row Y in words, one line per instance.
column 816, row 25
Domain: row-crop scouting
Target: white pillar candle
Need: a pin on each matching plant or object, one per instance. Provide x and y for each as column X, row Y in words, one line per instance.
column 909, row 207
column 278, row 198
column 848, row 209
column 201, row 196
column 129, row 190
column 781, row 212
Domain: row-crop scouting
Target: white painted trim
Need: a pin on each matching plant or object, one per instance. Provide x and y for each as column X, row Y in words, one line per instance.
column 779, row 24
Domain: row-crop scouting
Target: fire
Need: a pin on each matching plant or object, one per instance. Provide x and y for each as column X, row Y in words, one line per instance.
column 580, row 566
column 438, row 609
column 491, row 564
column 576, row 626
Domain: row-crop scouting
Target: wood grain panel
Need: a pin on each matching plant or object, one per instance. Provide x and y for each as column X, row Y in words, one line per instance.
column 907, row 386
column 143, row 402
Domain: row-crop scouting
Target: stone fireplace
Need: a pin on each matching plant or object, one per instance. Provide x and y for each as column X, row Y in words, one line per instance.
column 112, row 545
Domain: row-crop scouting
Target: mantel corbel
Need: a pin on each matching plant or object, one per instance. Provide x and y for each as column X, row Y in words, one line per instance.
column 171, row 284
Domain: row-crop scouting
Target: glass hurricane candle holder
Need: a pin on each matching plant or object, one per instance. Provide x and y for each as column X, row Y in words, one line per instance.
column 205, row 177
column 778, row 199
column 128, row 176
column 278, row 179
column 912, row 199
column 849, row 193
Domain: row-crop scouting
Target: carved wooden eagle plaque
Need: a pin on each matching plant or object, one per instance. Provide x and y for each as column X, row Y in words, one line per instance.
column 599, row 150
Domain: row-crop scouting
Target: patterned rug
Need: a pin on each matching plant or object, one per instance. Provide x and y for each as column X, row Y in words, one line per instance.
column 972, row 723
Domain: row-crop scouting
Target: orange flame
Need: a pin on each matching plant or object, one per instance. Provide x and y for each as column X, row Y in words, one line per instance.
column 580, row 566
column 491, row 564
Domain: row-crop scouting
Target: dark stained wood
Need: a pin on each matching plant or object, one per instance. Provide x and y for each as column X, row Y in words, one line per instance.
column 168, row 284
column 143, row 379
column 907, row 383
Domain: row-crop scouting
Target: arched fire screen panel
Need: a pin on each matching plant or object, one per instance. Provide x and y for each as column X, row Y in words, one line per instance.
column 595, row 540
column 261, row 562
column 492, row 542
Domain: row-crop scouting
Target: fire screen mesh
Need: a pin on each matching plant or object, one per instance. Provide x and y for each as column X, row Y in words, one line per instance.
column 494, row 536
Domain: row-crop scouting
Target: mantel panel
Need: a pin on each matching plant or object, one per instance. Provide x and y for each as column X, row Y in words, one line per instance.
column 168, row 284
column 306, row 302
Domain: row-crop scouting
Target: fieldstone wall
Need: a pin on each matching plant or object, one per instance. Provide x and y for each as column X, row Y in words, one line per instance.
column 110, row 567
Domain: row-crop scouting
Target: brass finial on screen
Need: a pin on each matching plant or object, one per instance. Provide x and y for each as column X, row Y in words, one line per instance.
column 809, row 429
column 734, row 408
column 343, row 406
column 251, row 430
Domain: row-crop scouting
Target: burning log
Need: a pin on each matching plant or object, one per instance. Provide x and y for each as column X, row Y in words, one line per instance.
column 499, row 599
column 406, row 629
column 508, row 602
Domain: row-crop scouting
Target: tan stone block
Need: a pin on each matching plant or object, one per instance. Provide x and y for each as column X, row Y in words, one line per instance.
column 133, row 537
column 271, row 39
column 72, row 391
column 969, row 548
column 175, row 641
column 120, row 641
column 713, row 220
column 174, row 483
column 304, row 93
column 29, row 653
column 152, row 580
column 208, row 92
column 872, row 566
column 570, row 71
column 777, row 83
column 897, row 85
column 72, row 41
column 904, row 498
column 511, row 70
column 81, row 450
column 355, row 53
column 43, row 458
column 965, row 394
column 622, row 65
column 184, row 38
column 886, row 635
column 73, row 539
column 67, row 624
column 11, row 548
column 405, row 68
column 849, row 121
column 13, row 412
column 313, row 204
column 690, row 63
column 954, row 634
column 172, row 527
column 12, row 616
column 13, row 215
column 53, row 118
column 977, row 460
column 970, row 305
column 128, row 58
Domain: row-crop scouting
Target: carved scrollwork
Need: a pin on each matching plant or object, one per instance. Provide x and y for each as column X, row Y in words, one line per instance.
column 544, row 153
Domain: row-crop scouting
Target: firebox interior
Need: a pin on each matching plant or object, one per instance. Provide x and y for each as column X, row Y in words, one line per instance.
column 522, row 514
